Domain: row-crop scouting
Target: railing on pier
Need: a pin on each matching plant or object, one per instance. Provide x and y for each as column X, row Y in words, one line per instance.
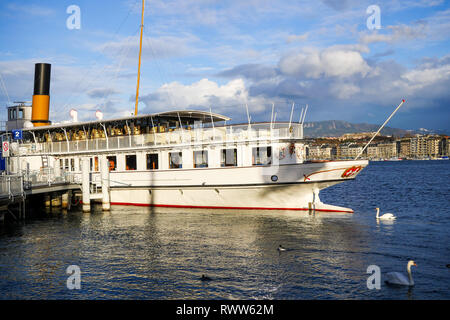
column 11, row 186
column 47, row 177
column 15, row 185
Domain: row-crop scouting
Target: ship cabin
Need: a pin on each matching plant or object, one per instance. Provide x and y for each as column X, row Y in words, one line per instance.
column 171, row 140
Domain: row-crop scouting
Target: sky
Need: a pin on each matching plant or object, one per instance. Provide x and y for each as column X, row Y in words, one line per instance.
column 351, row 60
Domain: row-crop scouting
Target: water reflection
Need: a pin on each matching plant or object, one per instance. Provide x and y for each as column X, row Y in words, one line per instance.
column 138, row 253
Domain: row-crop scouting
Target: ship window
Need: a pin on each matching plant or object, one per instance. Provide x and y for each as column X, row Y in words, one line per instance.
column 66, row 164
column 95, row 168
column 72, row 164
column 228, row 158
column 262, row 156
column 175, row 160
column 112, row 161
column 20, row 113
column 130, row 162
column 152, row 161
column 201, row 159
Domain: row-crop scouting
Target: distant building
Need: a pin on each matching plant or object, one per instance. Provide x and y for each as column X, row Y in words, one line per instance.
column 404, row 148
column 418, row 146
column 324, row 151
column 372, row 152
column 359, row 135
column 387, row 150
column 348, row 150
column 433, row 146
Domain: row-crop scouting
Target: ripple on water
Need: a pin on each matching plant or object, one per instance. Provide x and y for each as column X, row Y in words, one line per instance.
column 135, row 253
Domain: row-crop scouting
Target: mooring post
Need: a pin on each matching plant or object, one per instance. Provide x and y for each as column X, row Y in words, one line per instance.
column 47, row 200
column 24, row 203
column 85, row 168
column 69, row 199
column 65, row 200
column 104, row 167
column 56, row 199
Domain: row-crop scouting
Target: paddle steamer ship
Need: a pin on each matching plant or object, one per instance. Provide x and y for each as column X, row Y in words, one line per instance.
column 184, row 158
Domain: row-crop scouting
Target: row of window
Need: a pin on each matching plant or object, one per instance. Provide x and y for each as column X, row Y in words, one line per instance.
column 228, row 158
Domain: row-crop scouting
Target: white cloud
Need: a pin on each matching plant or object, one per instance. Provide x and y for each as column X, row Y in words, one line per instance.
column 126, row 49
column 344, row 90
column 399, row 34
column 31, row 9
column 71, row 86
column 101, row 92
column 331, row 62
column 203, row 94
column 420, row 78
column 297, row 37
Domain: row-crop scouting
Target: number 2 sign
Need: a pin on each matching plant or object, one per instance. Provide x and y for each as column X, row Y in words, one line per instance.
column 17, row 134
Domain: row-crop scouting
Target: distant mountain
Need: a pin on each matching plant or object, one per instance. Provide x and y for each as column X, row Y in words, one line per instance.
column 336, row 128
column 431, row 131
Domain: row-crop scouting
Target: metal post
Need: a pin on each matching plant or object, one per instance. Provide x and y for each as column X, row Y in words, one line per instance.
column 85, row 184
column 104, row 167
column 56, row 169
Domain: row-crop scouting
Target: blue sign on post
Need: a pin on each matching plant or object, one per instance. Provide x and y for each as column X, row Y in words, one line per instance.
column 17, row 134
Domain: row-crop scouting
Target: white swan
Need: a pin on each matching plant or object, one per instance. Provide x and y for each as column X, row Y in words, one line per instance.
column 386, row 216
column 400, row 278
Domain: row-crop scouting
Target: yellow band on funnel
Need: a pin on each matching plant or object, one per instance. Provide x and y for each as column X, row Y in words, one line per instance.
column 40, row 109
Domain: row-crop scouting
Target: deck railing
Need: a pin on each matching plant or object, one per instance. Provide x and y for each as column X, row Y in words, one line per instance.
column 228, row 134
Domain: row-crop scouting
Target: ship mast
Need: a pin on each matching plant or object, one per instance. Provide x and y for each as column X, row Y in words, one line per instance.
column 139, row 65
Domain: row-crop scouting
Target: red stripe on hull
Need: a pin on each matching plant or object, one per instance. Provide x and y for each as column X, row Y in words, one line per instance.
column 219, row 207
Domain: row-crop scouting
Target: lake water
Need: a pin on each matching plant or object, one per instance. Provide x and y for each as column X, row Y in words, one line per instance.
column 137, row 253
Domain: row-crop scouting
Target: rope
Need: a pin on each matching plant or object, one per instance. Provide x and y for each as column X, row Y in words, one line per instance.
column 4, row 89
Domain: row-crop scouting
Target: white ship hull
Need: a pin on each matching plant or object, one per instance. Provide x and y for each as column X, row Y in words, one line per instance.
column 297, row 187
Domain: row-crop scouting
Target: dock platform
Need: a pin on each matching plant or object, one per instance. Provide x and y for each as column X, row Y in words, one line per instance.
column 16, row 188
